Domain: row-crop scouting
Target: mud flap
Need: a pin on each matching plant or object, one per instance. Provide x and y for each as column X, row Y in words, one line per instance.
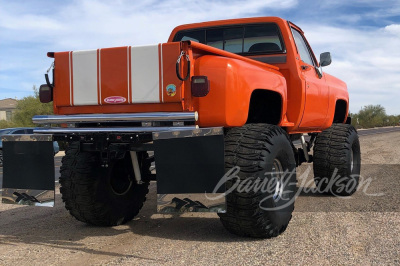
column 28, row 170
column 190, row 170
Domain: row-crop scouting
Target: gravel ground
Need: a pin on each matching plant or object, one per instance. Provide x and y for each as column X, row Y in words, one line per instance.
column 324, row 230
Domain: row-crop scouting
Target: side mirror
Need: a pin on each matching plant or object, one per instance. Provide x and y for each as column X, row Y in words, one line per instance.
column 325, row 59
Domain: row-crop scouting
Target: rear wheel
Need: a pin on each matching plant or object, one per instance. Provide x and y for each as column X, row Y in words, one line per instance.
column 337, row 160
column 98, row 195
column 260, row 199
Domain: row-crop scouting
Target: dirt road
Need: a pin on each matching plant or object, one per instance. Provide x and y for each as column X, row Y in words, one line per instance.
column 324, row 230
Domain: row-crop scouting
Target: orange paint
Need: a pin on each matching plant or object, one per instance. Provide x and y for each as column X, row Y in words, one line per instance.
column 121, row 108
column 308, row 102
column 170, row 53
column 114, row 73
column 62, row 96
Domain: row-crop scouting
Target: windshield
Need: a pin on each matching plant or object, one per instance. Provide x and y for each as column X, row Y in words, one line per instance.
column 242, row 39
column 4, row 132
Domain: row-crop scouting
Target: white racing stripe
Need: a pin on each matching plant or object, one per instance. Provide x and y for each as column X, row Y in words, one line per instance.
column 84, row 71
column 145, row 74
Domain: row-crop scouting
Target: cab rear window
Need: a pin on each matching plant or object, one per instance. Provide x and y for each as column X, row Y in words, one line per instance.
column 240, row 39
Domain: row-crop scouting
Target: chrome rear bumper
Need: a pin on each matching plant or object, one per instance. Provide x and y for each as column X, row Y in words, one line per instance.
column 150, row 122
column 55, row 130
column 104, row 118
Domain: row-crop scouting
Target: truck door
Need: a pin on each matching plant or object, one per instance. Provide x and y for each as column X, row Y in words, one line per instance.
column 316, row 89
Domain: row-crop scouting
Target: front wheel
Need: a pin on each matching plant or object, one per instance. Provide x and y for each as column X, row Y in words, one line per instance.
column 337, row 160
column 98, row 195
column 260, row 198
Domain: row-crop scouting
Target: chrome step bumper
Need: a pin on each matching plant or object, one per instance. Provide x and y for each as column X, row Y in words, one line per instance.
column 150, row 122
column 103, row 118
column 61, row 130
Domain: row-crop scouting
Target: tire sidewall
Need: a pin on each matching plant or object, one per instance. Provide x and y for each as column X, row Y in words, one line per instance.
column 351, row 176
column 355, row 149
column 333, row 173
column 279, row 212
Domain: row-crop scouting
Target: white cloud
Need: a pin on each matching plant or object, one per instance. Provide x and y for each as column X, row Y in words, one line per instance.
column 28, row 22
column 95, row 23
column 29, row 29
column 367, row 60
column 394, row 29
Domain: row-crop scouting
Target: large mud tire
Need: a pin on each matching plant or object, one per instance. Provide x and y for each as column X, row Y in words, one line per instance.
column 104, row 196
column 337, row 160
column 261, row 151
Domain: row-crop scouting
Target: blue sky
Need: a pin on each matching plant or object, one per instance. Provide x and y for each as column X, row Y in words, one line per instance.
column 363, row 36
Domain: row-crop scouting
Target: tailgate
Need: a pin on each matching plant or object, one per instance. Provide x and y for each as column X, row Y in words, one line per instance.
column 118, row 76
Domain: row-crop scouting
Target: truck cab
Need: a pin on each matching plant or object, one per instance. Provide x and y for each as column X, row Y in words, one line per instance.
column 314, row 99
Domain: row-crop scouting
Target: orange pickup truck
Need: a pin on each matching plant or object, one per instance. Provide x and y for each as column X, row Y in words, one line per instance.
column 212, row 115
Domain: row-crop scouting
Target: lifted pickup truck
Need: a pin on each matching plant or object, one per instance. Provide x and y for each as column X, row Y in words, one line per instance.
column 211, row 115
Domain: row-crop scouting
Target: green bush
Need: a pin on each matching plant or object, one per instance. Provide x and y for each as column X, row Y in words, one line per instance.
column 6, row 124
column 373, row 116
column 29, row 106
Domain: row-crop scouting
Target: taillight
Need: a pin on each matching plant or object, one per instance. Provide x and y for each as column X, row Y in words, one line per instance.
column 200, row 86
column 45, row 93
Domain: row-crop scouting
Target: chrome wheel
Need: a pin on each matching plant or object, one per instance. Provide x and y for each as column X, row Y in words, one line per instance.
column 277, row 175
column 351, row 160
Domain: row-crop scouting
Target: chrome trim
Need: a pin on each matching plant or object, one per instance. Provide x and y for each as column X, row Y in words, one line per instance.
column 42, row 198
column 147, row 124
column 27, row 137
column 188, row 133
column 127, row 117
column 351, row 161
column 195, row 202
column 178, row 123
column 277, row 175
column 55, row 130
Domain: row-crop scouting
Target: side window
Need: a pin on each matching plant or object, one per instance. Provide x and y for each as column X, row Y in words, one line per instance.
column 8, row 115
column 29, row 131
column 302, row 47
column 19, row 131
column 197, row 35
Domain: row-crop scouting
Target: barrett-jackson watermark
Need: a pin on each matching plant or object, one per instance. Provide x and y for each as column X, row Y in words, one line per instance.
column 268, row 186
